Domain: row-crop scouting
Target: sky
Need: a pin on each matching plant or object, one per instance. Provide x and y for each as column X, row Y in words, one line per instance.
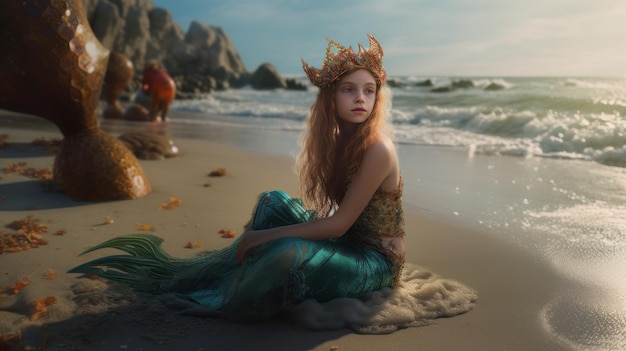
column 496, row 38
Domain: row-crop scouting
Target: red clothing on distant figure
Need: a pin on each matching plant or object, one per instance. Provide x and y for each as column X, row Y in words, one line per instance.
column 162, row 89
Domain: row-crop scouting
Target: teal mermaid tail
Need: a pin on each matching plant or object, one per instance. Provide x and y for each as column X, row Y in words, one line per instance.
column 277, row 209
column 274, row 276
column 142, row 269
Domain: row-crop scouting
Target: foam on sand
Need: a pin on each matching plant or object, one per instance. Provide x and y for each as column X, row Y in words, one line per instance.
column 422, row 297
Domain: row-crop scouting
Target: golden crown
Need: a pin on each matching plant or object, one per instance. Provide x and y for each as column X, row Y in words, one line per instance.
column 346, row 60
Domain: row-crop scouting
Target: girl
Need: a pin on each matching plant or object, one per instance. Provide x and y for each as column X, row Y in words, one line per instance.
column 349, row 243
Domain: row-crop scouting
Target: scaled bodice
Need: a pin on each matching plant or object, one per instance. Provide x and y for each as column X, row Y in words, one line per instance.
column 381, row 221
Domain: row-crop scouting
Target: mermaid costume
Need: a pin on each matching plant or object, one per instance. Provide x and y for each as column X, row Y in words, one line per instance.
column 274, row 276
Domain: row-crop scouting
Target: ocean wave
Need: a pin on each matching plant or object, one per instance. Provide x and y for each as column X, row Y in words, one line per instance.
column 607, row 84
column 596, row 136
column 250, row 103
column 571, row 118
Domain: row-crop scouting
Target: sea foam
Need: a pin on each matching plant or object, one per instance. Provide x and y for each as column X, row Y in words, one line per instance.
column 421, row 297
column 544, row 117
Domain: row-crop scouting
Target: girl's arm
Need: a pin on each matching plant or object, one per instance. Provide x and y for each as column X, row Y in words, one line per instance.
column 379, row 163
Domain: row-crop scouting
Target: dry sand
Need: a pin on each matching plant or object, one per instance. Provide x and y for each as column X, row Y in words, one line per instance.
column 513, row 286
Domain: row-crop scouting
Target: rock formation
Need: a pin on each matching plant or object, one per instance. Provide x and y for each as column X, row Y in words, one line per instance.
column 267, row 77
column 149, row 146
column 201, row 60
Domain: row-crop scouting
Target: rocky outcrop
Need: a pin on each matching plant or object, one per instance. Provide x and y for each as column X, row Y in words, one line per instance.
column 267, row 77
column 124, row 26
column 425, row 83
column 293, row 84
column 494, row 87
column 149, row 146
column 455, row 85
column 201, row 60
column 393, row 83
column 211, row 53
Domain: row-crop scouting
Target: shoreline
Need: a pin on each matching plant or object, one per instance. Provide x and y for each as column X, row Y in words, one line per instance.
column 513, row 286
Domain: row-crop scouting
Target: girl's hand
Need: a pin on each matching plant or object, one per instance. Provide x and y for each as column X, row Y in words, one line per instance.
column 249, row 241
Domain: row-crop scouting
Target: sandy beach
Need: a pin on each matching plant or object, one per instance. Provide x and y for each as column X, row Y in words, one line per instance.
column 513, row 286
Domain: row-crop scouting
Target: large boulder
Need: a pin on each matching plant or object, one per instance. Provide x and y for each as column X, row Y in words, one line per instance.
column 267, row 77
column 122, row 26
column 147, row 33
column 213, row 54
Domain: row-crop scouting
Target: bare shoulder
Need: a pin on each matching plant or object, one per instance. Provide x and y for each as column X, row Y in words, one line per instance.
column 383, row 146
column 382, row 157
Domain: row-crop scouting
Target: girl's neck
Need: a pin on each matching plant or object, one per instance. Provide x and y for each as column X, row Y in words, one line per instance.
column 347, row 130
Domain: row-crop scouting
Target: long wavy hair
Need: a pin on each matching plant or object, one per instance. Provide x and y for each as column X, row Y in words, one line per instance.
column 328, row 158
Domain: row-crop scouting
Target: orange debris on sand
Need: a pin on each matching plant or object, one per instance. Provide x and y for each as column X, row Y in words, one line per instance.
column 145, row 227
column 192, row 245
column 28, row 235
column 41, row 306
column 227, row 233
column 220, row 172
column 174, row 202
column 21, row 169
column 28, row 225
column 44, row 141
column 50, row 274
column 108, row 220
column 21, row 284
column 51, row 145
column 14, row 167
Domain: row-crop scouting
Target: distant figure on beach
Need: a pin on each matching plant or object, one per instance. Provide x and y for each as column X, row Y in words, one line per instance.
column 161, row 88
column 344, row 238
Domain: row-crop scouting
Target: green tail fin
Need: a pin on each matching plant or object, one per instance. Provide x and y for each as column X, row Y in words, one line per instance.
column 145, row 265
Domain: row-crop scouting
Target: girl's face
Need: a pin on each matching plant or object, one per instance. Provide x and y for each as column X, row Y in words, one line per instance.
column 355, row 95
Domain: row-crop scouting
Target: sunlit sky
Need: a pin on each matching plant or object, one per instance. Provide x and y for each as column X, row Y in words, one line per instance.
column 426, row 37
